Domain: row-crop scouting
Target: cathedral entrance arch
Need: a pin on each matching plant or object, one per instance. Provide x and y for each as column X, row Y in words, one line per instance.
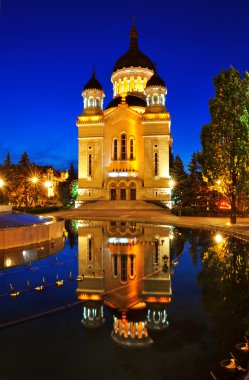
column 123, row 194
column 133, row 194
column 113, row 194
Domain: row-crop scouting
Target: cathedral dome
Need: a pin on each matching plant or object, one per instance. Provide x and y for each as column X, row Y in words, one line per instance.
column 93, row 83
column 133, row 57
column 155, row 80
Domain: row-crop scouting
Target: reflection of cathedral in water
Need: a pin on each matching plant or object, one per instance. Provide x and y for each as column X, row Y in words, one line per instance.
column 125, row 266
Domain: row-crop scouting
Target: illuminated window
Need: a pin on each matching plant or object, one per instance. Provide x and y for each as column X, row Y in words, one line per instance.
column 90, row 101
column 148, row 100
column 115, row 149
column 123, row 146
column 156, row 251
column 156, row 164
column 115, row 265
column 132, row 149
column 90, row 164
column 132, row 266
column 97, row 102
column 155, row 99
column 123, row 268
column 162, row 99
column 90, row 249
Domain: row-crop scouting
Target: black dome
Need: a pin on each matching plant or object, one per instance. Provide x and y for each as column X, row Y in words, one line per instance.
column 130, row 100
column 93, row 83
column 155, row 80
column 133, row 57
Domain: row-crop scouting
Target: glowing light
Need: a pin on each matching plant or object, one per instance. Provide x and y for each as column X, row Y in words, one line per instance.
column 171, row 183
column 48, row 184
column 114, row 240
column 122, row 174
column 1, row 183
column 218, row 182
column 86, row 297
column 34, row 180
column 8, row 262
column 218, row 238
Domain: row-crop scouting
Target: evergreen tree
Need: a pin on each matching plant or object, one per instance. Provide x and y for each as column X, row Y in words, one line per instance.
column 199, row 194
column 68, row 190
column 225, row 139
column 180, row 177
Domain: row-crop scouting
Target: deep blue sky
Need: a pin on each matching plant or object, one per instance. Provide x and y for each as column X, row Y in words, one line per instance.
column 48, row 49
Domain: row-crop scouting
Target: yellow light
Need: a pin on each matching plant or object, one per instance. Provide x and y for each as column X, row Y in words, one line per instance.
column 34, row 180
column 8, row 263
column 218, row 238
column 171, row 183
column 1, row 183
column 48, row 184
column 218, row 182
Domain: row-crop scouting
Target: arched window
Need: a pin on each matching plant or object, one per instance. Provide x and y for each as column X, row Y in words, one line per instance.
column 123, row 147
column 132, row 155
column 90, row 101
column 155, row 99
column 115, row 149
column 123, row 268
column 162, row 99
column 156, row 164
column 132, row 266
column 148, row 100
column 90, row 249
column 115, row 265
column 97, row 102
column 89, row 164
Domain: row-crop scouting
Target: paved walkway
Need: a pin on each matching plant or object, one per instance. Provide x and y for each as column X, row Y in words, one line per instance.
column 143, row 211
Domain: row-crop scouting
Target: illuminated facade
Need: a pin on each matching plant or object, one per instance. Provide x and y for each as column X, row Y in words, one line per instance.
column 123, row 151
column 125, row 266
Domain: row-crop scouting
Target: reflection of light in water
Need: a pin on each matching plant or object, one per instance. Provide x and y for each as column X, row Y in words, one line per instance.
column 8, row 262
column 118, row 240
column 218, row 238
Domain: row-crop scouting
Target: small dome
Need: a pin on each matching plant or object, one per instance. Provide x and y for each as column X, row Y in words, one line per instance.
column 133, row 57
column 155, row 80
column 93, row 83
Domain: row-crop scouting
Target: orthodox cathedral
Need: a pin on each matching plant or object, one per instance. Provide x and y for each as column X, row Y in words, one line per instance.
column 123, row 150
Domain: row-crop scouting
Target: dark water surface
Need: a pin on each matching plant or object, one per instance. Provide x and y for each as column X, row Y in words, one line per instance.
column 135, row 274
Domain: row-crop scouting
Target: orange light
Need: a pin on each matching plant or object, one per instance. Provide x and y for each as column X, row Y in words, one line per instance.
column 89, row 297
column 158, row 299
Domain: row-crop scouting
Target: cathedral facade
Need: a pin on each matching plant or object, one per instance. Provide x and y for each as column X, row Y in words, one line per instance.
column 123, row 150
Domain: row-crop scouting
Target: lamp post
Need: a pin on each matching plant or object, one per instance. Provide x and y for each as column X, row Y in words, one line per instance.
column 1, row 186
column 35, row 180
column 171, row 185
column 218, row 183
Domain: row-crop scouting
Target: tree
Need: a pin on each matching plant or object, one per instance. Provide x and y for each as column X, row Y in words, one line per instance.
column 68, row 190
column 180, row 177
column 200, row 194
column 225, row 139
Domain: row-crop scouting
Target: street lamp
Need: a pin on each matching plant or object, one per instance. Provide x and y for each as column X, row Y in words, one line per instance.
column 171, row 185
column 218, row 183
column 218, row 238
column 35, row 180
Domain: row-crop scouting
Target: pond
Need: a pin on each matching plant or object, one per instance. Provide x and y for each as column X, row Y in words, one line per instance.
column 127, row 300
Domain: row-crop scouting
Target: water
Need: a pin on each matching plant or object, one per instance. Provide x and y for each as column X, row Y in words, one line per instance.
column 176, row 288
column 14, row 219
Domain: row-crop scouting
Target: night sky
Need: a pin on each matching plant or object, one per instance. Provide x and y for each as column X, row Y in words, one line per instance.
column 48, row 49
